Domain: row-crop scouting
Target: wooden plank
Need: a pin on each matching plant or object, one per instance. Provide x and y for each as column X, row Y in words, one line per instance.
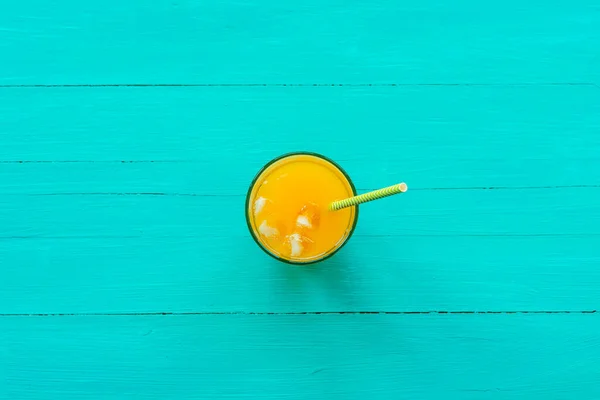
column 421, row 212
column 299, row 357
column 370, row 274
column 427, row 136
column 228, row 178
column 158, row 269
column 113, row 42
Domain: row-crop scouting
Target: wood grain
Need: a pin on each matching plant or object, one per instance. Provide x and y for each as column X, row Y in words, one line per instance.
column 200, row 274
column 183, row 42
column 298, row 357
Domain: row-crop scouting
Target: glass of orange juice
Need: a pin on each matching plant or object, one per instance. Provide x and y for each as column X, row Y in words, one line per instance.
column 287, row 208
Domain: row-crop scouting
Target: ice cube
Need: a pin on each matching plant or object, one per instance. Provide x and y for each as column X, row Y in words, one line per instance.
column 259, row 204
column 267, row 231
column 308, row 217
column 296, row 243
column 303, row 222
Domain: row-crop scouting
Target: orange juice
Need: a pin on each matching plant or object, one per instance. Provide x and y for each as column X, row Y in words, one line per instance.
column 287, row 208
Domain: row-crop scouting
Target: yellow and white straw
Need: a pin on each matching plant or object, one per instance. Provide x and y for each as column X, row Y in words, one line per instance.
column 370, row 196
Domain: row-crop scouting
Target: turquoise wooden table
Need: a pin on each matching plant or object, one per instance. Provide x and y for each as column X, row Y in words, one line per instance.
column 130, row 130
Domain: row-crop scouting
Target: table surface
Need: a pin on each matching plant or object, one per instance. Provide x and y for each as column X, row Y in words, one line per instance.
column 130, row 130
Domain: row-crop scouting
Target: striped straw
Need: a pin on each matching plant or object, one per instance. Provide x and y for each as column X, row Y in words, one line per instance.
column 363, row 198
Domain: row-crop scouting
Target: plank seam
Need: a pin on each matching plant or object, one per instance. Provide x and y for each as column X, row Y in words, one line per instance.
column 436, row 84
column 431, row 312
column 428, row 235
column 90, row 161
column 176, row 194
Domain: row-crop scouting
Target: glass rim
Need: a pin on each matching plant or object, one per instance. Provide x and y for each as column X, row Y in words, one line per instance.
column 249, row 193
